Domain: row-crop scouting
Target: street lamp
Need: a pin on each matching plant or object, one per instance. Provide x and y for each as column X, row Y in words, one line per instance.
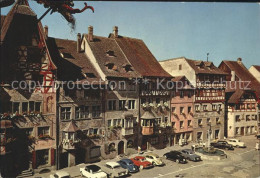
column 209, row 134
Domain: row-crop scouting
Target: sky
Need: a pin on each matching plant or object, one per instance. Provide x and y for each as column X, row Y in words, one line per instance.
column 171, row 29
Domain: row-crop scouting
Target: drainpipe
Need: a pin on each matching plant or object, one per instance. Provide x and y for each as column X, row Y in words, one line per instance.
column 57, row 129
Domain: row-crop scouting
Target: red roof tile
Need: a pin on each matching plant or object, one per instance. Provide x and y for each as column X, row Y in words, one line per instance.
column 140, row 57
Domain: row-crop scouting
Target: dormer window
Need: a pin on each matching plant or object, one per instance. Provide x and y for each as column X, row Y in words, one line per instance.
column 90, row 75
column 110, row 53
column 127, row 67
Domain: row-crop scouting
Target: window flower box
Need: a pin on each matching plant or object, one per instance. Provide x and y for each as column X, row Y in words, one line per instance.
column 44, row 137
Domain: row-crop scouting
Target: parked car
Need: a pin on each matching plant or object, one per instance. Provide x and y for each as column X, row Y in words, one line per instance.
column 92, row 171
column 129, row 165
column 154, row 159
column 113, row 169
column 60, row 174
column 236, row 143
column 190, row 155
column 141, row 162
column 175, row 156
column 222, row 145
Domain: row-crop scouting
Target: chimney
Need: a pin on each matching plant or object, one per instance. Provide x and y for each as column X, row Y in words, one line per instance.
column 233, row 75
column 115, row 31
column 78, row 42
column 239, row 60
column 90, row 33
column 46, row 30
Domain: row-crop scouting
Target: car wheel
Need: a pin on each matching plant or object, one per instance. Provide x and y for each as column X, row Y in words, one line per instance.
column 141, row 167
column 177, row 161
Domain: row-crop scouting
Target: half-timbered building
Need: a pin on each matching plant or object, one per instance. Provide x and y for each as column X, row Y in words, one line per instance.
column 209, row 99
column 28, row 98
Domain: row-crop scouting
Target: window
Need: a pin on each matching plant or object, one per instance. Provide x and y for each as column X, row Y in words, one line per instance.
column 181, row 94
column 180, row 67
column 65, row 113
column 217, row 120
column 16, row 107
column 28, row 131
column 248, row 106
column 31, row 106
column 82, row 112
column 247, row 117
column 154, row 140
column 96, row 111
column 181, row 124
column 37, row 106
column 43, row 131
column 190, row 94
column 208, row 120
column 197, row 108
column 109, row 123
column 173, row 109
column 189, row 109
column 112, row 105
column 189, row 123
column 200, row 122
column 237, row 118
column 157, row 100
column 253, row 106
column 181, row 110
column 214, row 107
column 205, row 108
column 131, row 104
column 237, row 107
column 122, row 104
column 173, row 124
column 24, row 107
column 143, row 101
column 122, row 85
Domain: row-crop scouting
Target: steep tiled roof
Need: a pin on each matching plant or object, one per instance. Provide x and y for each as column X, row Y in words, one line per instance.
column 110, row 57
column 71, row 127
column 203, row 67
column 185, row 82
column 71, row 64
column 140, row 57
column 243, row 74
column 236, row 96
column 16, row 9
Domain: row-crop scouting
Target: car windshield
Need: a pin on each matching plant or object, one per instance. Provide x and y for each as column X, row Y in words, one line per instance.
column 94, row 168
column 116, row 167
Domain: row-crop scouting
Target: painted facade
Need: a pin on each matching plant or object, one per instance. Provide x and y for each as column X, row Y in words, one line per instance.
column 182, row 110
column 209, row 99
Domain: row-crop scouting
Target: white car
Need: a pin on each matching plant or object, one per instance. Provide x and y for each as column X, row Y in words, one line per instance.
column 113, row 169
column 154, row 159
column 236, row 143
column 92, row 171
column 60, row 174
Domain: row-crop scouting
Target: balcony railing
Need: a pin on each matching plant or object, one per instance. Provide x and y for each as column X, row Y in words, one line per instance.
column 69, row 144
column 127, row 131
column 147, row 130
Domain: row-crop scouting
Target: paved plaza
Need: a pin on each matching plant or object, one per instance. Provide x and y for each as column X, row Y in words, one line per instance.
column 242, row 162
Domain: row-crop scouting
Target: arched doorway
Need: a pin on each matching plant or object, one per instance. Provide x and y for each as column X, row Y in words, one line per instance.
column 120, row 147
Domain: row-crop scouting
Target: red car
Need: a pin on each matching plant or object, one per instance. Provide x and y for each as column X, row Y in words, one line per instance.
column 141, row 162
